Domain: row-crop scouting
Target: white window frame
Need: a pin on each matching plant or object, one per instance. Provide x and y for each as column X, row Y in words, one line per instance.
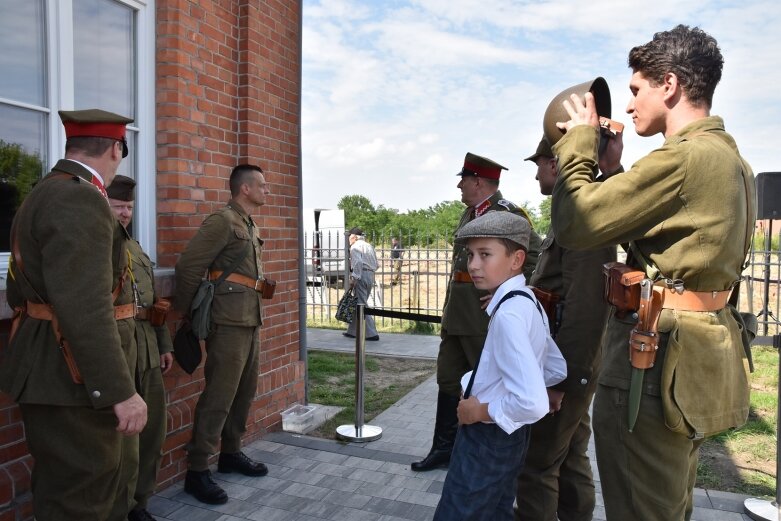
column 60, row 96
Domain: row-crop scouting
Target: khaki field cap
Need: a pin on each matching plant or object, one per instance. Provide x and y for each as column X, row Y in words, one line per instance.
column 499, row 225
column 555, row 111
column 121, row 188
column 480, row 166
column 543, row 150
column 95, row 123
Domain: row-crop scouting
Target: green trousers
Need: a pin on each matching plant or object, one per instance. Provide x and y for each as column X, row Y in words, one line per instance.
column 647, row 474
column 84, row 469
column 457, row 356
column 556, row 482
column 231, row 374
column 150, row 441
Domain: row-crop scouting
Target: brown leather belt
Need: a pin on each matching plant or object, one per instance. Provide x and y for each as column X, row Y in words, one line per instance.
column 256, row 284
column 694, row 300
column 142, row 314
column 44, row 311
column 461, row 276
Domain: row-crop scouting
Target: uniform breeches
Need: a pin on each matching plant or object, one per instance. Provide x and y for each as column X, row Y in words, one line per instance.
column 150, row 441
column 556, row 482
column 457, row 356
column 231, row 374
column 84, row 469
column 647, row 474
column 363, row 288
column 480, row 482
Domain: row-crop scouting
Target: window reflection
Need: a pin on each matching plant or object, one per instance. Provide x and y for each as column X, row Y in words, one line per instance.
column 104, row 56
column 22, row 51
column 22, row 161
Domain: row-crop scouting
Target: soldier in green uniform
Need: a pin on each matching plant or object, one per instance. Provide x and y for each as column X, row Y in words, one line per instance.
column 71, row 360
column 464, row 323
column 227, row 240
column 556, row 480
column 687, row 210
column 154, row 351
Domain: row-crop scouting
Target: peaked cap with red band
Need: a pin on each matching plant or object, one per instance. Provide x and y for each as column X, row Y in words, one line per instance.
column 479, row 166
column 95, row 123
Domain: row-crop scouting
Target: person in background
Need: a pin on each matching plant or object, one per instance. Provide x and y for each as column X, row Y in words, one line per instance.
column 154, row 350
column 363, row 264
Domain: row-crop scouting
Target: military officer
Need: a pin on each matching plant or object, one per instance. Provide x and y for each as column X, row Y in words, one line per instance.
column 687, row 210
column 154, row 350
column 556, row 480
column 71, row 359
column 227, row 241
column 464, row 323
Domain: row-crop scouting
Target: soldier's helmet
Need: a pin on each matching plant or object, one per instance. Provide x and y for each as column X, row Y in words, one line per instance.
column 555, row 111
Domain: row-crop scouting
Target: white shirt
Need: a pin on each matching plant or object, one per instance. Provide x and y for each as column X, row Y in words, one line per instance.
column 519, row 360
column 362, row 257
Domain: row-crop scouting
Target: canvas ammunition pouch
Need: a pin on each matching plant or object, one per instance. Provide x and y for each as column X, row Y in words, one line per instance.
column 622, row 287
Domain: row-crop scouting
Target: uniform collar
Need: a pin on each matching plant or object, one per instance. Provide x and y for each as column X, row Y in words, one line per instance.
column 236, row 207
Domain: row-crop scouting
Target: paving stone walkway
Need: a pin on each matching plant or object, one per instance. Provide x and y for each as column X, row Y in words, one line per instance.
column 314, row 479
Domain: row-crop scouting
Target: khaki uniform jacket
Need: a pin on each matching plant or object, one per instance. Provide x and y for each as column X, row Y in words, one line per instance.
column 462, row 314
column 221, row 239
column 152, row 341
column 72, row 251
column 686, row 207
column 576, row 277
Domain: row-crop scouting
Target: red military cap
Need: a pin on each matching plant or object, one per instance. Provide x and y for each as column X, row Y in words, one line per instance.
column 479, row 166
column 95, row 123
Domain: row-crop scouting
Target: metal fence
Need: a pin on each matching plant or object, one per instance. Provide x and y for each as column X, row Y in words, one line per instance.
column 425, row 271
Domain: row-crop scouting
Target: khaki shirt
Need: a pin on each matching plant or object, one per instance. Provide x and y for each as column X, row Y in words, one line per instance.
column 223, row 237
column 72, row 250
column 152, row 341
column 462, row 314
column 686, row 207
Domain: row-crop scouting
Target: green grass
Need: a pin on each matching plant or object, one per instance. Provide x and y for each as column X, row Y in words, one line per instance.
column 332, row 382
column 743, row 460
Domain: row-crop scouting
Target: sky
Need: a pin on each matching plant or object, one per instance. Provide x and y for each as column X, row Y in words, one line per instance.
column 396, row 92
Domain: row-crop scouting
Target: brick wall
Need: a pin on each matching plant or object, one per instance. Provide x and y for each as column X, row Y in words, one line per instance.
column 227, row 92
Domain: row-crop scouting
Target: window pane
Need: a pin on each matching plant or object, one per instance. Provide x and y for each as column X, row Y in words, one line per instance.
column 104, row 56
column 22, row 51
column 22, row 161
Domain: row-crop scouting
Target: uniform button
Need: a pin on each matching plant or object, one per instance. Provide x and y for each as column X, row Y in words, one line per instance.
column 144, row 305
column 583, row 381
column 96, row 394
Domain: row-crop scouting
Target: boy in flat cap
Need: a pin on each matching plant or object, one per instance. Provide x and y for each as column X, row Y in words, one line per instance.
column 71, row 362
column 556, row 479
column 464, row 324
column 154, row 350
column 506, row 391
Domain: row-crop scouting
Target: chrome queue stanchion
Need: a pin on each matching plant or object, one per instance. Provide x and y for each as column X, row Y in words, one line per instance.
column 763, row 509
column 359, row 432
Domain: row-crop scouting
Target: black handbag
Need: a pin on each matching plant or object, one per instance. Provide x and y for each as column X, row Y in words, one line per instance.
column 345, row 310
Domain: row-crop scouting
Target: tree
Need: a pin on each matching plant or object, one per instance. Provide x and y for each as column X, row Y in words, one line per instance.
column 542, row 223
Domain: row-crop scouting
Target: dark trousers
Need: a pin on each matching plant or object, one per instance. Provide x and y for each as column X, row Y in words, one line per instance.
column 649, row 473
column 84, row 469
column 231, row 374
column 150, row 441
column 480, row 483
column 556, row 482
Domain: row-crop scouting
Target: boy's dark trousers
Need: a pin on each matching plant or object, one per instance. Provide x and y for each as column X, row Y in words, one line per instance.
column 480, row 483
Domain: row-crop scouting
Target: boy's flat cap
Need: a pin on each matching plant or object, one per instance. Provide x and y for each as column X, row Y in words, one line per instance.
column 499, row 225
